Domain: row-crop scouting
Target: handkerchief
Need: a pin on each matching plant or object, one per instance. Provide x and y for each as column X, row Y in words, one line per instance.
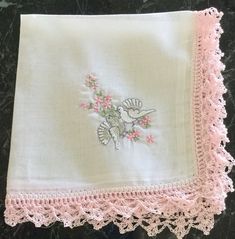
column 119, row 118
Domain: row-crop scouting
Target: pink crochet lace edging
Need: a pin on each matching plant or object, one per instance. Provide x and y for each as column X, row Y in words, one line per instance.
column 179, row 208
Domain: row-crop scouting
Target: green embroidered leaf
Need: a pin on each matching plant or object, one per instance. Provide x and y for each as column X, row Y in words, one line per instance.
column 90, row 106
column 103, row 105
column 102, row 113
column 99, row 93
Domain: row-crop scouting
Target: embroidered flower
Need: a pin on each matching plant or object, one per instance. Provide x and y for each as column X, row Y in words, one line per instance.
column 116, row 118
column 96, row 108
column 150, row 139
column 91, row 82
column 84, row 105
column 107, row 102
column 98, row 100
column 133, row 135
column 108, row 97
column 145, row 121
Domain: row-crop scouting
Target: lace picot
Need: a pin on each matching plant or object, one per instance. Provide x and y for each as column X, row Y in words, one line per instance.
column 191, row 204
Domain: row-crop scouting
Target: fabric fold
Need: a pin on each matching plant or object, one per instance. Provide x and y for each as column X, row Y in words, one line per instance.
column 119, row 118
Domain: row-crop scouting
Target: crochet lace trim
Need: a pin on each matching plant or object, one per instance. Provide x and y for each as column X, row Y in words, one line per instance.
column 178, row 208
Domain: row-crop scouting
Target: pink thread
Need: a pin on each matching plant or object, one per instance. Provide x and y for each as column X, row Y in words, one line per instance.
column 84, row 106
column 91, row 81
column 108, row 97
column 133, row 135
column 178, row 207
column 150, row 139
column 145, row 121
column 98, row 100
column 107, row 104
column 96, row 107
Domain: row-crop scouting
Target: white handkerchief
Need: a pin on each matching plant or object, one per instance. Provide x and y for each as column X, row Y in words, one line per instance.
column 118, row 118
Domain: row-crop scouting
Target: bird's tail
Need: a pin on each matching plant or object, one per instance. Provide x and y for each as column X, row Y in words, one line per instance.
column 103, row 133
column 150, row 111
column 146, row 112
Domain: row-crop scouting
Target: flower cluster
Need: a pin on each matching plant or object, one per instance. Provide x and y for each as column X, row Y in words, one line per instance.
column 145, row 121
column 133, row 135
column 91, row 82
column 150, row 139
column 102, row 104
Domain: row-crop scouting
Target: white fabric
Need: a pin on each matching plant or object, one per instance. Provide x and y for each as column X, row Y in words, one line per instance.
column 54, row 142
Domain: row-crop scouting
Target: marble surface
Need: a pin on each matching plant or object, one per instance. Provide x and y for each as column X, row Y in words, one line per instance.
column 10, row 11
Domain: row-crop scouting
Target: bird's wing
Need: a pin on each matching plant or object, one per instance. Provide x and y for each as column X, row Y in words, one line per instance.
column 103, row 133
column 132, row 103
column 132, row 113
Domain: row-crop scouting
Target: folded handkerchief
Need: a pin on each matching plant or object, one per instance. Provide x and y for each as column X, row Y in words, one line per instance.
column 119, row 118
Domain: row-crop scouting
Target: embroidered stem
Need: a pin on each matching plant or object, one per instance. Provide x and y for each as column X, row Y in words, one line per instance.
column 178, row 207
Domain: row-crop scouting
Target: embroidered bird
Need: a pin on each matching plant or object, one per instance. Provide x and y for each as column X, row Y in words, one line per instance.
column 119, row 121
column 113, row 128
column 130, row 110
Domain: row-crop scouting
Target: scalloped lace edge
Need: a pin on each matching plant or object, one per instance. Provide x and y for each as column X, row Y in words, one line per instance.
column 178, row 208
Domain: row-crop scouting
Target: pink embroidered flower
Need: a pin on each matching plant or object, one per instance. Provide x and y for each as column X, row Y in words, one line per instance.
column 107, row 102
column 96, row 107
column 130, row 136
column 133, row 135
column 145, row 121
column 103, row 105
column 108, row 97
column 106, row 105
column 98, row 100
column 84, row 105
column 91, row 82
column 150, row 139
column 136, row 133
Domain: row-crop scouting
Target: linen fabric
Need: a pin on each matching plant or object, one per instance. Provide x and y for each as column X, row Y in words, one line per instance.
column 109, row 120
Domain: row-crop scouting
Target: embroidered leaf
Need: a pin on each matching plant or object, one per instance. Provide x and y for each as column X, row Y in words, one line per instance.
column 90, row 106
column 117, row 118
